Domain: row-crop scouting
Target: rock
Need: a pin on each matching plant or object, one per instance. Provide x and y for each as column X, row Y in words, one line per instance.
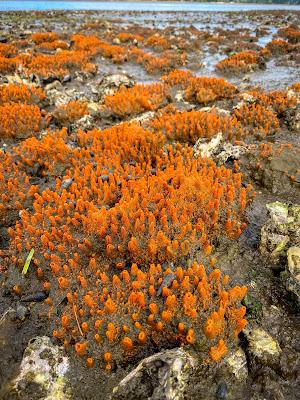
column 161, row 376
column 14, row 79
column 207, row 149
column 262, row 347
column 293, row 117
column 248, row 98
column 216, row 149
column 144, row 118
column 43, row 371
column 111, row 83
column 40, row 295
column 93, row 108
column 116, row 41
column 236, row 366
column 179, row 96
column 229, row 152
column 67, row 78
column 85, row 123
column 49, row 79
column 222, row 391
column 293, row 94
column 281, row 229
column 21, row 312
column 167, row 281
column 53, row 85
column 66, row 183
column 217, row 110
column 291, row 276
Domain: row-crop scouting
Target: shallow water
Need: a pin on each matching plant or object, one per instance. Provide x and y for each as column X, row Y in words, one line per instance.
column 13, row 5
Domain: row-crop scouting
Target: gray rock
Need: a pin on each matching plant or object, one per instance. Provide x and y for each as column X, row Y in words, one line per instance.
column 222, row 391
column 44, row 367
column 293, row 118
column 166, row 372
column 66, row 183
column 144, row 118
column 236, row 366
column 21, row 312
column 167, row 282
column 291, row 276
column 111, row 83
column 281, row 230
column 217, row 149
column 85, row 123
column 262, row 347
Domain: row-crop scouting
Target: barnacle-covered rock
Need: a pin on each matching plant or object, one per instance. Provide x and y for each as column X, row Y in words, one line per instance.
column 291, row 276
column 262, row 347
column 281, row 230
column 43, row 372
column 111, row 83
column 161, row 376
column 235, row 365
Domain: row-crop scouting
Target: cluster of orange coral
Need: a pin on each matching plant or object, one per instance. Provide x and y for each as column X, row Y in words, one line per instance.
column 290, row 33
column 13, row 93
column 7, row 65
column 92, row 45
column 124, row 197
column 41, row 37
column 19, row 120
column 16, row 193
column 278, row 100
column 278, row 46
column 243, row 62
column 177, row 77
column 158, row 42
column 70, row 112
column 8, row 50
column 56, row 44
column 204, row 90
column 295, row 87
column 152, row 64
column 113, row 318
column 129, row 101
column 58, row 64
column 258, row 119
column 192, row 125
column 126, row 37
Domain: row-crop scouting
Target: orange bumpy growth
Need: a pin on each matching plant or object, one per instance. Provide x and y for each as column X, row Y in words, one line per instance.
column 192, row 125
column 139, row 317
column 71, row 112
column 243, row 62
column 136, row 99
column 205, row 90
column 19, row 120
column 12, row 93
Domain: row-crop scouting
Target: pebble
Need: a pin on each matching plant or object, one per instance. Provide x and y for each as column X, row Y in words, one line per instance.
column 21, row 312
column 168, row 279
column 35, row 297
column 222, row 391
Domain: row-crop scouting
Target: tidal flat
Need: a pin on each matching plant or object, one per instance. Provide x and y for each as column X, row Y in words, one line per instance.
column 149, row 205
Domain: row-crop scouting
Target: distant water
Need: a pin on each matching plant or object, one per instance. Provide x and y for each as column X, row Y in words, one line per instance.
column 14, row 5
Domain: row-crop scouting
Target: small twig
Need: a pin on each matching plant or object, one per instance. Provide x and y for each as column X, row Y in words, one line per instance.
column 75, row 313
